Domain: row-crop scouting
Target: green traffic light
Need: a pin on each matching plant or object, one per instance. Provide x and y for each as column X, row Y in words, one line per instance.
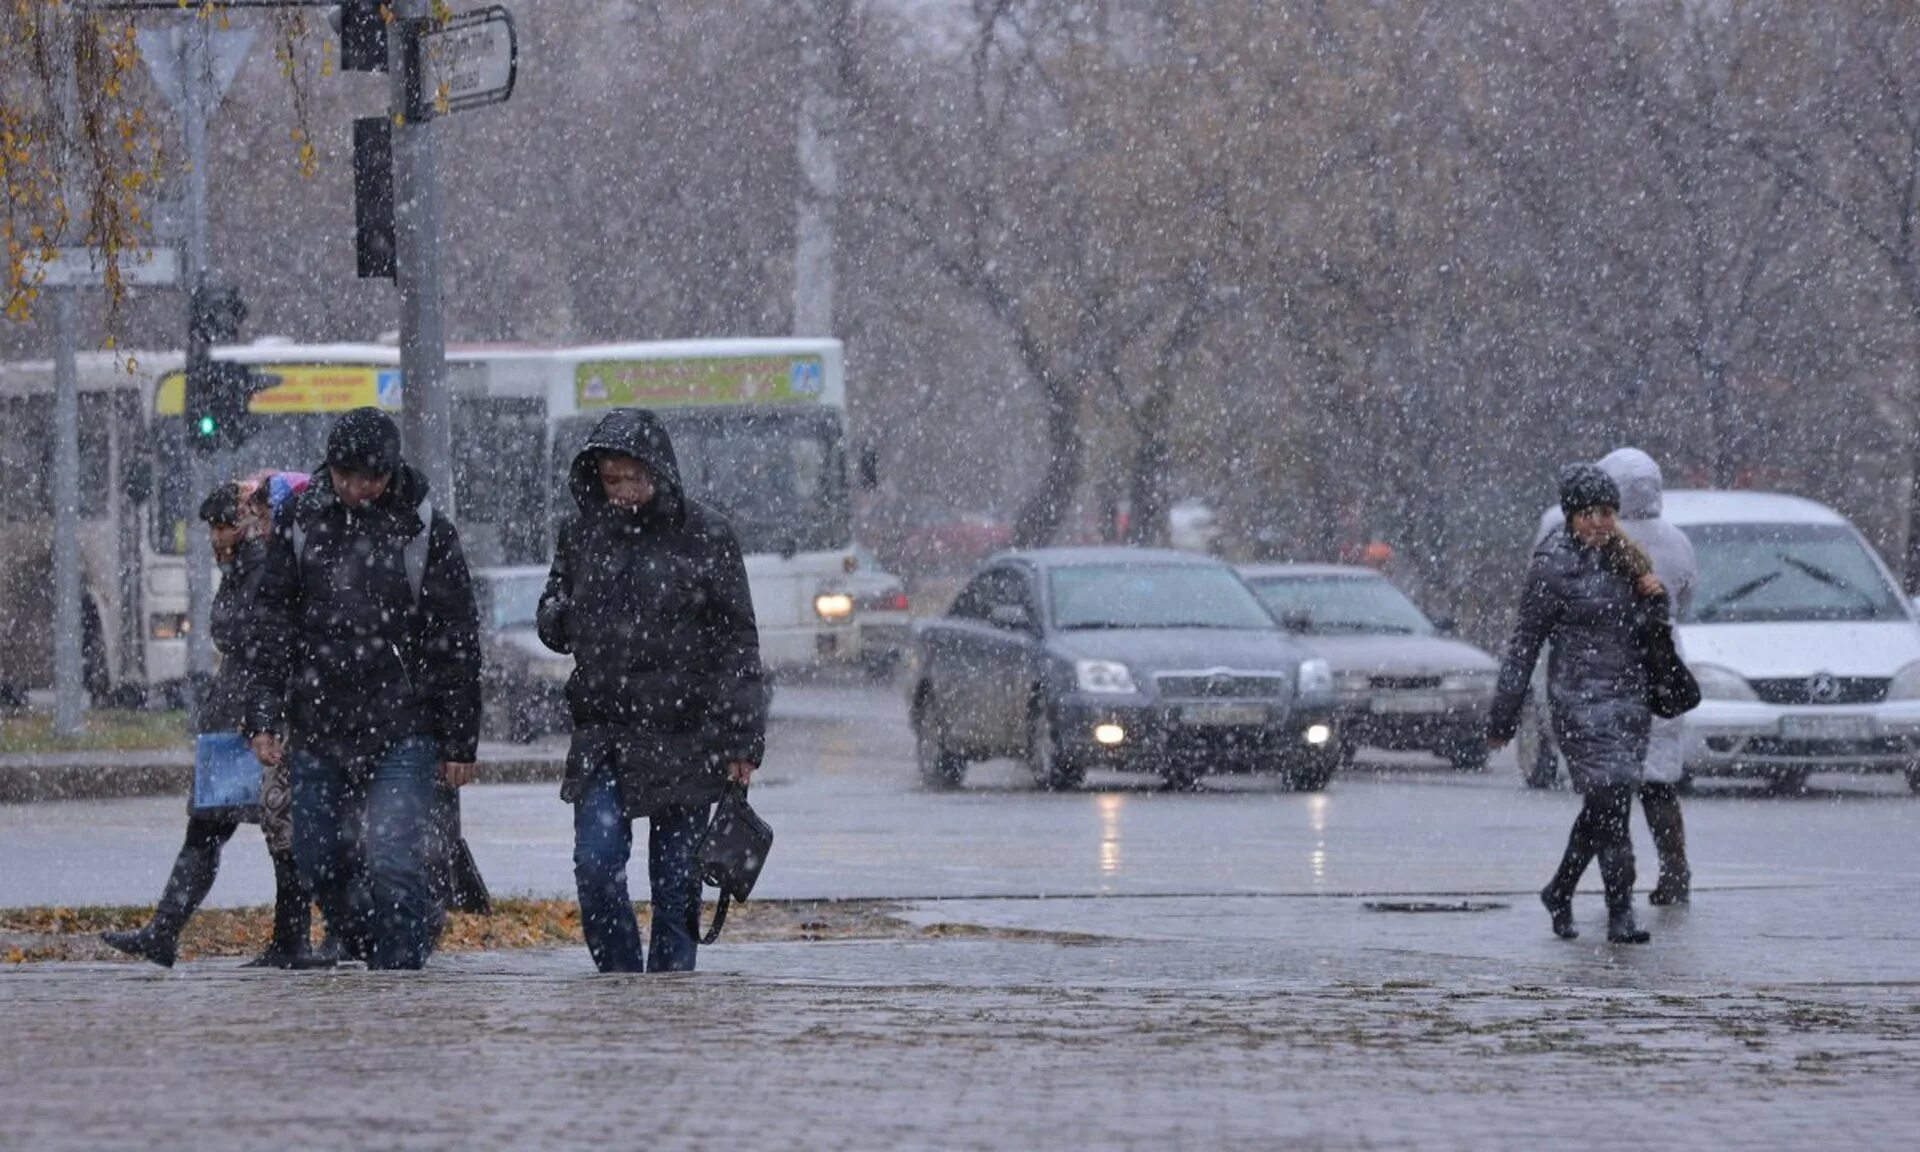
column 207, row 426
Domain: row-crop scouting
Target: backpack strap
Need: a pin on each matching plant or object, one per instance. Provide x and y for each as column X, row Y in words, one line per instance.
column 414, row 556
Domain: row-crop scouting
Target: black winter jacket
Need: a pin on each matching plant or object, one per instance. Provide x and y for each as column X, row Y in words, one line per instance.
column 1596, row 677
column 654, row 607
column 341, row 641
column 233, row 626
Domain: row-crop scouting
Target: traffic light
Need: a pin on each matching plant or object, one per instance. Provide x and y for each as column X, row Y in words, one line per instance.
column 216, row 403
column 215, row 315
column 374, row 239
column 363, row 36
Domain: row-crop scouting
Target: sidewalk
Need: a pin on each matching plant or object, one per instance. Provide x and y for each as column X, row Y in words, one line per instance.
column 26, row 779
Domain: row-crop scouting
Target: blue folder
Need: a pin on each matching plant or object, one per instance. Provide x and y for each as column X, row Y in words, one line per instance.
column 226, row 774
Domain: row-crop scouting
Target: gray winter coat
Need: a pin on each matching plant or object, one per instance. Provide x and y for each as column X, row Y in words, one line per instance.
column 1596, row 681
column 1642, row 494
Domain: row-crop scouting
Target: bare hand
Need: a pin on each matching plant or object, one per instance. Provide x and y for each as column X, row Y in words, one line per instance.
column 740, row 772
column 457, row 773
column 1650, row 586
column 1495, row 745
column 267, row 748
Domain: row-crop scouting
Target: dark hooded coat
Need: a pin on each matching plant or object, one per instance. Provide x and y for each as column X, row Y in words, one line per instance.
column 1596, row 675
column 345, row 657
column 653, row 604
column 233, row 624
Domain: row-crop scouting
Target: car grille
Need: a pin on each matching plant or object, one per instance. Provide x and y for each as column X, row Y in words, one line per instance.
column 1821, row 690
column 1405, row 683
column 1817, row 749
column 1222, row 687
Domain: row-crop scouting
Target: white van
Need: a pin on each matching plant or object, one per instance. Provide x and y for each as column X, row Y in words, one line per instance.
column 1807, row 653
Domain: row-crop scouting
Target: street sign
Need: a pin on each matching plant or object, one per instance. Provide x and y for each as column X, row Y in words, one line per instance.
column 83, row 268
column 469, row 62
column 164, row 51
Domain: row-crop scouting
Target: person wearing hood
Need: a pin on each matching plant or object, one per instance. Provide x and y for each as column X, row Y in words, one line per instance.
column 367, row 679
column 1642, row 499
column 648, row 592
column 238, row 520
column 1588, row 591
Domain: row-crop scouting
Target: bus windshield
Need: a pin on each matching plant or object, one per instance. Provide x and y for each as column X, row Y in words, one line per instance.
column 777, row 472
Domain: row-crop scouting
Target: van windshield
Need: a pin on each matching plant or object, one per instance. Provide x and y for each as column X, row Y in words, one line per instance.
column 1776, row 573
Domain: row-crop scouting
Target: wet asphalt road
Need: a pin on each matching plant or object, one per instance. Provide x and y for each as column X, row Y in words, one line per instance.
column 1225, row 983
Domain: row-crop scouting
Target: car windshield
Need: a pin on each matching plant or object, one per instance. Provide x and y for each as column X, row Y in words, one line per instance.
column 1153, row 596
column 1775, row 573
column 514, row 601
column 1322, row 605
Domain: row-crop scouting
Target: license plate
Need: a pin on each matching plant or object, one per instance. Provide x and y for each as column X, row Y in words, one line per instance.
column 1827, row 727
column 1225, row 714
column 1404, row 704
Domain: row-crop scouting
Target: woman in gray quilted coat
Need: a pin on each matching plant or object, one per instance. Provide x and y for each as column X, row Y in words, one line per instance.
column 1588, row 591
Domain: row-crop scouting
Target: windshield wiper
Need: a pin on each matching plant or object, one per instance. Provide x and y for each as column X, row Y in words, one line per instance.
column 1830, row 580
column 1361, row 626
column 1733, row 596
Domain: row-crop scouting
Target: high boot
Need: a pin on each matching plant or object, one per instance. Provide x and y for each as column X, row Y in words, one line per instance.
column 1558, row 894
column 292, row 920
column 192, row 877
column 1661, row 802
column 1616, row 872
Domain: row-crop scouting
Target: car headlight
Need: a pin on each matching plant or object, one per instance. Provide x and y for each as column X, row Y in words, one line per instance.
column 1717, row 683
column 1470, row 683
column 1103, row 676
column 1905, row 684
column 833, row 605
column 1316, row 680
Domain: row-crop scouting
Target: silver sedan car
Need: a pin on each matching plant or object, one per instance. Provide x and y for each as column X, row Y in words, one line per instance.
column 1400, row 682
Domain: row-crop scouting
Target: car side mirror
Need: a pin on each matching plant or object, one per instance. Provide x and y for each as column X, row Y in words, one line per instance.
column 1011, row 617
column 1445, row 625
column 1297, row 621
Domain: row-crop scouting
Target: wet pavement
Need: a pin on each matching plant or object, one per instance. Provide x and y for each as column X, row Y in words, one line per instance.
column 1203, row 970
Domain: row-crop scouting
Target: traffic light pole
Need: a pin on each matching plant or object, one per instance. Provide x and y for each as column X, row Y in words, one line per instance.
column 427, row 409
column 202, row 468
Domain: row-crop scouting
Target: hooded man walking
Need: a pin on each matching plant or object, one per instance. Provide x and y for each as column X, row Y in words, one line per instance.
column 368, row 677
column 649, row 593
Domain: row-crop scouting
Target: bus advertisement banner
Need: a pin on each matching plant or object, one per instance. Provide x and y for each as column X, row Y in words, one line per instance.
column 302, row 388
column 675, row 383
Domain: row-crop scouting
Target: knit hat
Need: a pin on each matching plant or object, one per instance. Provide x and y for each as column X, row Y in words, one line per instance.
column 365, row 440
column 1584, row 486
column 222, row 505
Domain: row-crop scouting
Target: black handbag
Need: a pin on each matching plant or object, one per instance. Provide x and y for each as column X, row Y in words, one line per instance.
column 1671, row 689
column 729, row 857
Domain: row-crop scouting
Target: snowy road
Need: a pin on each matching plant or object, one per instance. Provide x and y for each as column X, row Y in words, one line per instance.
column 1218, row 978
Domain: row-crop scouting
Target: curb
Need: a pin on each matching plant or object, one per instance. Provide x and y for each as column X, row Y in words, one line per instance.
column 31, row 780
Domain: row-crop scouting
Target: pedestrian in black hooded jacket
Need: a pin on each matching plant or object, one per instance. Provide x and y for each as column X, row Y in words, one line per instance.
column 375, row 690
column 648, row 592
column 1588, row 592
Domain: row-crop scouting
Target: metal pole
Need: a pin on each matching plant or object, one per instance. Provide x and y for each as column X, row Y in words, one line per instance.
column 67, row 670
column 197, row 77
column 813, row 285
column 426, row 420
column 69, row 702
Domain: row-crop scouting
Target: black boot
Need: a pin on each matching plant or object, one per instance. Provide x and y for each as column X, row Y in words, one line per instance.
column 192, row 876
column 1622, row 929
column 1560, row 908
column 292, row 921
column 1661, row 802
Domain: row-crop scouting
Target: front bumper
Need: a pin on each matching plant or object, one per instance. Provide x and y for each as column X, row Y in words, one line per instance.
column 1748, row 738
column 1160, row 734
column 1368, row 723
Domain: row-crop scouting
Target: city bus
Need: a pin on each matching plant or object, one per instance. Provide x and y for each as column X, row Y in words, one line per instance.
column 759, row 426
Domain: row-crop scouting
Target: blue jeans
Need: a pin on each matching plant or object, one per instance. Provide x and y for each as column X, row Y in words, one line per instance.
column 602, row 844
column 362, row 837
